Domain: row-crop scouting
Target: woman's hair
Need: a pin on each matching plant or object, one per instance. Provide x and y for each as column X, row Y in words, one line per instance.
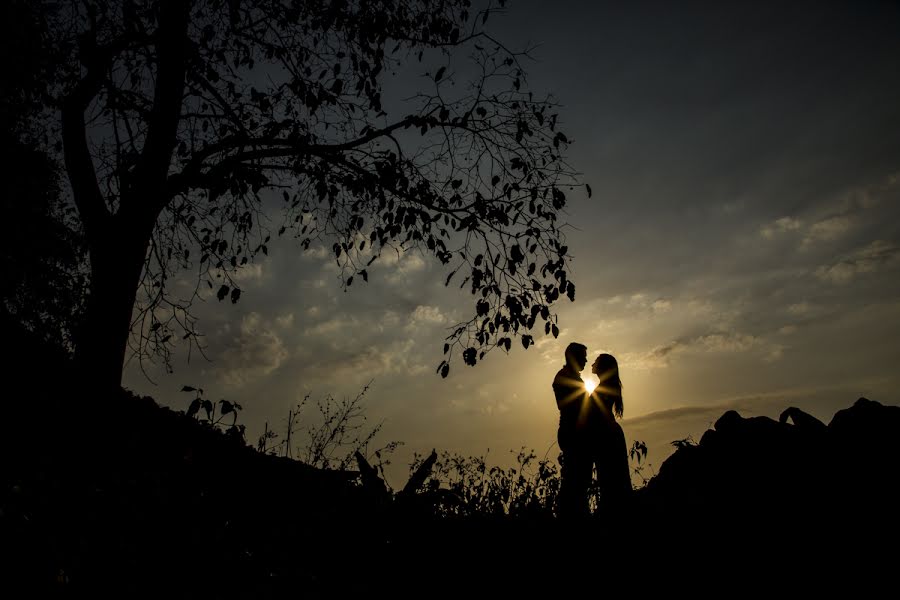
column 610, row 386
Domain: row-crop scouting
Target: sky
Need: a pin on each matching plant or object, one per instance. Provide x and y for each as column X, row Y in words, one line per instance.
column 741, row 248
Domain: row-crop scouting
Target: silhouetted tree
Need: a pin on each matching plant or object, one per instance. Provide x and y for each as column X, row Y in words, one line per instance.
column 41, row 255
column 183, row 121
column 42, row 284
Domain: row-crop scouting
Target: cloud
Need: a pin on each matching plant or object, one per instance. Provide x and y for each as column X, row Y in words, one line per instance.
column 256, row 351
column 425, row 315
column 252, row 272
column 389, row 320
column 656, row 358
column 726, row 342
column 661, row 306
column 376, row 360
column 870, row 196
column 747, row 405
column 805, row 310
column 779, row 226
column 774, row 353
column 853, row 210
column 318, row 252
column 329, row 327
column 405, row 265
column 285, row 321
column 349, row 328
column 828, row 229
column 485, row 402
column 659, row 357
column 644, row 301
column 490, row 403
column 681, row 412
column 352, row 346
column 737, row 342
column 878, row 255
column 401, row 259
column 800, row 308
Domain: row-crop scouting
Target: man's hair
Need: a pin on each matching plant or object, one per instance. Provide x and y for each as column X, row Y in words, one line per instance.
column 575, row 349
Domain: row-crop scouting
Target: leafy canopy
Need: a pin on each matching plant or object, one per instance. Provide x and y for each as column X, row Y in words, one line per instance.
column 283, row 103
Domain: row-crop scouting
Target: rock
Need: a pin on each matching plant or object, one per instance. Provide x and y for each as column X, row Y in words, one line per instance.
column 762, row 472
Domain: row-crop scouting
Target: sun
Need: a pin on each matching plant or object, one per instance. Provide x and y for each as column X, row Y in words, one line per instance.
column 590, row 385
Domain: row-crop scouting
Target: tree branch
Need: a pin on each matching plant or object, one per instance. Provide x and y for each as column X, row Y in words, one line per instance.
column 270, row 147
column 162, row 125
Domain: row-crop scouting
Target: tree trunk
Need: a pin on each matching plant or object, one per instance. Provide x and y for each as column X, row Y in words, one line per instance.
column 118, row 242
column 117, row 261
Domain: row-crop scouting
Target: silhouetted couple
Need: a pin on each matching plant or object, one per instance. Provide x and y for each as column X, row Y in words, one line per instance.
column 589, row 435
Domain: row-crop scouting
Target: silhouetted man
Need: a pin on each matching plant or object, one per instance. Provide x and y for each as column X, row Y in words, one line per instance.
column 577, row 456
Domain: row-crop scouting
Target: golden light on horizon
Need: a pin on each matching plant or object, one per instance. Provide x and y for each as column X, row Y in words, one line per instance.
column 590, row 385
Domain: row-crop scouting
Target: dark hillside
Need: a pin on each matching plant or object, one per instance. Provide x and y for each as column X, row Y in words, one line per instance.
column 118, row 496
column 119, row 493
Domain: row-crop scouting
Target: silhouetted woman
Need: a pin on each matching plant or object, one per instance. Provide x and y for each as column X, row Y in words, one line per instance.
column 610, row 451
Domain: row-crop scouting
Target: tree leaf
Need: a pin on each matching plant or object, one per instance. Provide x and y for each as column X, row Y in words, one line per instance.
column 469, row 356
column 194, row 408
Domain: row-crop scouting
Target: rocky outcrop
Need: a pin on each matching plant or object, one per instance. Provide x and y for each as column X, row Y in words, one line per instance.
column 798, row 470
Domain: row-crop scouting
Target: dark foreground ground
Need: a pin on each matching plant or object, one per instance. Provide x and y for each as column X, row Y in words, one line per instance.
column 117, row 497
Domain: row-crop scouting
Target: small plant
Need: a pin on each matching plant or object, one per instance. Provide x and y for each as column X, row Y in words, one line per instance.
column 640, row 469
column 209, row 409
column 466, row 486
column 687, row 442
column 331, row 438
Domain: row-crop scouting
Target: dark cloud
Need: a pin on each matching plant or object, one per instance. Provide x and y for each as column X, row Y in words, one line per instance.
column 877, row 256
